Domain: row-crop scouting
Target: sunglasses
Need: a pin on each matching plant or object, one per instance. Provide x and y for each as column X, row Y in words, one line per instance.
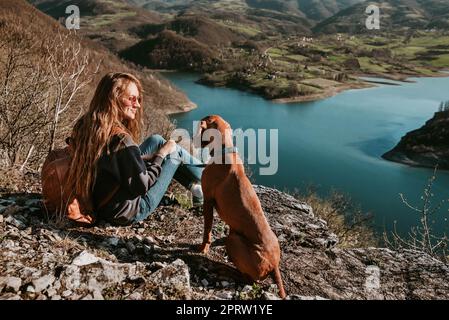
column 133, row 100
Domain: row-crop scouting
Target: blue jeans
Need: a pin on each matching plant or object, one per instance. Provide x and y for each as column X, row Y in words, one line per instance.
column 172, row 167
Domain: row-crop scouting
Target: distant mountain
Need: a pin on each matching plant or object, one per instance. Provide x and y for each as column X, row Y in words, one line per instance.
column 425, row 147
column 395, row 15
column 312, row 10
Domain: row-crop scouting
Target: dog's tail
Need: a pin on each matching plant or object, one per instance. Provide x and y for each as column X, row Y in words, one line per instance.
column 276, row 274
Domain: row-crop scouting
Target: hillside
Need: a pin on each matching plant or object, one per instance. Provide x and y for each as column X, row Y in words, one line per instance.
column 396, row 15
column 200, row 28
column 47, row 78
column 157, row 260
column 238, row 15
column 103, row 20
column 169, row 50
column 161, row 94
column 425, row 147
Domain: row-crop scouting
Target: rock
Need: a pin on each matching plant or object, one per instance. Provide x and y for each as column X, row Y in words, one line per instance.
column 96, row 295
column 158, row 265
column 205, row 283
column 67, row 293
column 30, row 289
column 84, row 258
column 135, row 296
column 131, row 247
column 270, row 296
column 10, row 284
column 15, row 222
column 41, row 297
column 1, row 218
column 299, row 297
column 224, row 295
column 147, row 249
column 138, row 238
column 113, row 241
column 11, row 210
column 10, row 296
column 149, row 240
column 43, row 283
column 173, row 280
column 51, row 292
column 56, row 297
column 225, row 284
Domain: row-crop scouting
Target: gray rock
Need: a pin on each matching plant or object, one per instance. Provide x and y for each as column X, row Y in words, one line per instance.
column 299, row 297
column 41, row 297
column 149, row 240
column 224, row 295
column 51, row 292
column 10, row 284
column 43, row 282
column 205, row 283
column 225, row 284
column 84, row 258
column 270, row 296
column 158, row 265
column 113, row 241
column 138, row 238
column 67, row 293
column 30, row 289
column 15, row 222
column 10, row 296
column 147, row 249
column 131, row 247
column 173, row 280
column 135, row 296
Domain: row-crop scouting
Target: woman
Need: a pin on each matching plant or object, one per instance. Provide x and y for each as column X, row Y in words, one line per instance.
column 126, row 181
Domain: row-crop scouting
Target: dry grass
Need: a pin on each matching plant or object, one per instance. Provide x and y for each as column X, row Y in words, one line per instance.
column 348, row 222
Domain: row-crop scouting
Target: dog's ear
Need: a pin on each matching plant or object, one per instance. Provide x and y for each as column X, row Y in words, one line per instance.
column 210, row 123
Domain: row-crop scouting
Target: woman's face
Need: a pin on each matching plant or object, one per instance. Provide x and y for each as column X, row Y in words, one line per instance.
column 130, row 101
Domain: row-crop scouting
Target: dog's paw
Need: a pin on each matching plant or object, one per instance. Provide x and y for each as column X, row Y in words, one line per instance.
column 204, row 248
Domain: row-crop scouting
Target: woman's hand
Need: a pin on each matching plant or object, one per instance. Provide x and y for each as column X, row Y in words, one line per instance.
column 167, row 148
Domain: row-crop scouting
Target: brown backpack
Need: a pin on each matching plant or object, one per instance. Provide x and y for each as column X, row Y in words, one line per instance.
column 57, row 197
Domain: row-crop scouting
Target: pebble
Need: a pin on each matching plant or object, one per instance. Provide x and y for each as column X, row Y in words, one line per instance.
column 204, row 282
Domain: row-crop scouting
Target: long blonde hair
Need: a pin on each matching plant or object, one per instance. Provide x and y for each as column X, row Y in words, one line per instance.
column 93, row 131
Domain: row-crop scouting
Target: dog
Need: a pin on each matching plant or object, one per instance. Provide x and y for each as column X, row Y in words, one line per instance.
column 251, row 244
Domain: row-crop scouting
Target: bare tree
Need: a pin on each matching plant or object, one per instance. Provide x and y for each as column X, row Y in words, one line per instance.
column 23, row 95
column 421, row 237
column 41, row 82
column 68, row 66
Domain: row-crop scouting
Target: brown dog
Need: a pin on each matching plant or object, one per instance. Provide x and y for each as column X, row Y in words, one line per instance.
column 251, row 245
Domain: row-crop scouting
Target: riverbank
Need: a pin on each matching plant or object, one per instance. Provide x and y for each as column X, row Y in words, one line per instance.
column 320, row 88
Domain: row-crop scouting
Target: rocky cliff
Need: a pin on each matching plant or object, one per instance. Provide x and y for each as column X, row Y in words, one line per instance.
column 157, row 259
column 425, row 147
